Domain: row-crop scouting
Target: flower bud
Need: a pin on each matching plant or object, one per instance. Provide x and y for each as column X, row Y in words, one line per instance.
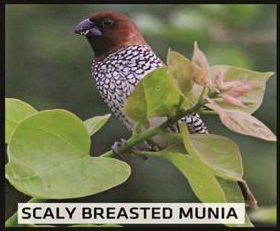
column 236, row 88
column 228, row 99
column 200, row 68
column 219, row 79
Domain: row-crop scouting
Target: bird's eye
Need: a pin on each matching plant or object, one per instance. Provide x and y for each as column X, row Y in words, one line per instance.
column 107, row 22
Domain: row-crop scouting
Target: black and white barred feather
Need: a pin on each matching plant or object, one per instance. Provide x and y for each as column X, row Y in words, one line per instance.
column 116, row 76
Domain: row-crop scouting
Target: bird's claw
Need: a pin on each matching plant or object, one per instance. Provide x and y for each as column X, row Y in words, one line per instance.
column 116, row 147
column 172, row 127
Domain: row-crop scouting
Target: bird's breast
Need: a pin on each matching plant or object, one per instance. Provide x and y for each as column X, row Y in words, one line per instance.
column 117, row 75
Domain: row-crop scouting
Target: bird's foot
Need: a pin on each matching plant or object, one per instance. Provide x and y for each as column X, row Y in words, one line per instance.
column 116, row 148
column 171, row 127
column 148, row 146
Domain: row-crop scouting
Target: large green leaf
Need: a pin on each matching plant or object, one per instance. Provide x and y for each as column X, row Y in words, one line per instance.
column 49, row 158
column 15, row 111
column 219, row 153
column 162, row 92
column 234, row 195
column 155, row 95
column 201, row 179
column 206, row 186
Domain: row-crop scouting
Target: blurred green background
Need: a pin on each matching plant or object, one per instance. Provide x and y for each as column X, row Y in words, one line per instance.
column 49, row 66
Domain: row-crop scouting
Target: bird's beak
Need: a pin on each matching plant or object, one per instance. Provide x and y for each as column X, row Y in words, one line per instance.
column 87, row 28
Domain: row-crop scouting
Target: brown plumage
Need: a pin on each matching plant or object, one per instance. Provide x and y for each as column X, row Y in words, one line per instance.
column 117, row 31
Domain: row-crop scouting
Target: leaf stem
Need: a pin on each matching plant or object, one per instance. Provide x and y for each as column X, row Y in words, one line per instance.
column 200, row 98
column 13, row 220
column 154, row 131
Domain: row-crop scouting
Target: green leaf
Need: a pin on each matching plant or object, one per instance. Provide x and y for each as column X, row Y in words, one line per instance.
column 219, row 153
column 234, row 195
column 154, row 95
column 95, row 123
column 200, row 177
column 232, row 190
column 15, row 112
column 180, row 69
column 264, row 214
column 186, row 140
column 160, row 94
column 49, row 158
column 136, row 106
column 202, row 180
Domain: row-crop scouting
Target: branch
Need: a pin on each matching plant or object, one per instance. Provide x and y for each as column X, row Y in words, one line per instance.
column 136, row 139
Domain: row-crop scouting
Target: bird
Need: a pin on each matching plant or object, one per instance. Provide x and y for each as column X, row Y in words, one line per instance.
column 122, row 57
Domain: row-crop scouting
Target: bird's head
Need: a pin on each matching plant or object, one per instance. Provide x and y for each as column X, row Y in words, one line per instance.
column 109, row 31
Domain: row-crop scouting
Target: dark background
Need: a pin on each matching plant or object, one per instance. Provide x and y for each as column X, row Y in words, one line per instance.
column 49, row 66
